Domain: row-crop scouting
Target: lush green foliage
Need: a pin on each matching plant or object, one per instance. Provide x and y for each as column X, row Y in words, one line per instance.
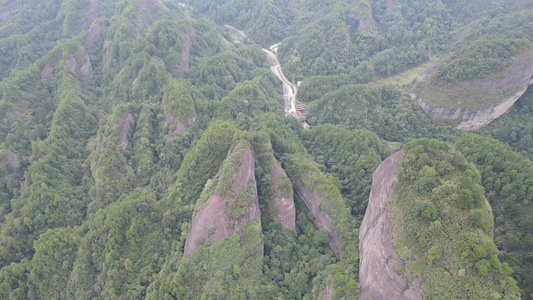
column 119, row 117
column 351, row 155
column 442, row 231
column 479, row 60
column 385, row 110
column 506, row 176
column 515, row 128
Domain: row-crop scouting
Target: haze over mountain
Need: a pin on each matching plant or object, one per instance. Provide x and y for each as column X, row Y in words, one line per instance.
column 155, row 149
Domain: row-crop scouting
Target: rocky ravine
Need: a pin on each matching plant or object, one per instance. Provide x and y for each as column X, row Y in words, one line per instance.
column 520, row 76
column 212, row 222
column 283, row 195
column 378, row 278
column 322, row 219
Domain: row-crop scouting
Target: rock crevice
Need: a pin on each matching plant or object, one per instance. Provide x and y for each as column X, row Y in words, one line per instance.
column 283, row 196
column 322, row 219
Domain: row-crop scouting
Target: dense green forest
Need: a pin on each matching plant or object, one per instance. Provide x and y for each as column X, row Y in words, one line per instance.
column 123, row 122
column 442, row 223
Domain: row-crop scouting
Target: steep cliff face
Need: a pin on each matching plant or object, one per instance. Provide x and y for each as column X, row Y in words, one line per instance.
column 471, row 118
column 426, row 231
column 283, row 195
column 378, row 277
column 231, row 205
column 317, row 204
column 516, row 79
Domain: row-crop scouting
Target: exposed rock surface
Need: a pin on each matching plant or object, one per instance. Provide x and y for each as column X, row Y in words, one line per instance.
column 471, row 118
column 378, row 278
column 94, row 32
column 364, row 15
column 283, row 197
column 94, row 8
column 180, row 126
column 212, row 222
column 47, row 71
column 71, row 63
column 125, row 129
column 520, row 76
column 313, row 200
column 183, row 67
column 144, row 9
column 391, row 5
column 9, row 9
column 12, row 158
column 86, row 67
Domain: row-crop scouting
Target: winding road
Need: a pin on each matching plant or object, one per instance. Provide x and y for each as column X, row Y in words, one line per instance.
column 289, row 89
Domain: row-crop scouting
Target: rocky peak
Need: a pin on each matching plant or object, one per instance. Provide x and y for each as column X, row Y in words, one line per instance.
column 230, row 205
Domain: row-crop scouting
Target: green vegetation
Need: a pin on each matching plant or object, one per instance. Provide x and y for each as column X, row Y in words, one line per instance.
column 352, row 156
column 385, row 110
column 179, row 100
column 508, row 184
column 516, row 128
column 442, row 222
column 119, row 119
column 479, row 60
column 463, row 80
column 201, row 163
column 458, row 82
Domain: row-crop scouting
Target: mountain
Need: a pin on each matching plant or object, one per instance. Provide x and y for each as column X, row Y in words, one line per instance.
column 427, row 230
column 148, row 148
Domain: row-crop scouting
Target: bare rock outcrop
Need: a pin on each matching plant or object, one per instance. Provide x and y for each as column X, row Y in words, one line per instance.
column 519, row 76
column 125, row 128
column 47, row 71
column 12, row 158
column 9, row 9
column 213, row 222
column 183, row 67
column 144, row 9
column 86, row 67
column 379, row 279
column 471, row 118
column 71, row 62
column 94, row 8
column 322, row 219
column 96, row 30
column 180, row 126
column 283, row 195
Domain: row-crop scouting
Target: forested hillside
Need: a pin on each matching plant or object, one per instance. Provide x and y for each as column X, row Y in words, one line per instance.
column 145, row 152
column 442, row 223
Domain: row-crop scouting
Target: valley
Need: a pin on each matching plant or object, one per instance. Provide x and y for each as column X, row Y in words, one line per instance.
column 153, row 149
